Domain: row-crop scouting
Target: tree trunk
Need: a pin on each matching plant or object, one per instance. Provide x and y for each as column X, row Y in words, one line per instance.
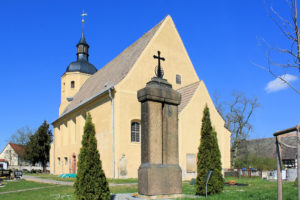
column 235, row 154
column 44, row 167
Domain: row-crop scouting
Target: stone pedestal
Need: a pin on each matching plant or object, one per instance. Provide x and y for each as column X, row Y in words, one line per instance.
column 159, row 173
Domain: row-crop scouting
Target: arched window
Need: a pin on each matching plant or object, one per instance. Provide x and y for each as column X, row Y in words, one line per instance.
column 72, row 84
column 135, row 131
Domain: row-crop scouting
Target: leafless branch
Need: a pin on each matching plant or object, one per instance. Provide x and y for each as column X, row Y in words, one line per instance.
column 282, row 27
column 276, row 76
column 289, row 28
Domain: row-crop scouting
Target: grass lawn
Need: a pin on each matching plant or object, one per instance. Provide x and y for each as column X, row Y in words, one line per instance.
column 18, row 185
column 55, row 192
column 258, row 189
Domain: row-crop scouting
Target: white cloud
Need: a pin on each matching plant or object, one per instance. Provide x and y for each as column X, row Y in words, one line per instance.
column 278, row 84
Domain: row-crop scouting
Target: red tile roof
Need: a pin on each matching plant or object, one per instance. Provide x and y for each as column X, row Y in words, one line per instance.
column 19, row 149
column 3, row 160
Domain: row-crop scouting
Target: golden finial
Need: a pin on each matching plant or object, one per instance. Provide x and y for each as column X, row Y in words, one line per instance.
column 82, row 15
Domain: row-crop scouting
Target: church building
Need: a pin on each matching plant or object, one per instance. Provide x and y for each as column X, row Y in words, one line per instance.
column 110, row 96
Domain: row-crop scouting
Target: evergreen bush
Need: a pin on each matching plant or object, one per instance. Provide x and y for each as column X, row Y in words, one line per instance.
column 38, row 147
column 209, row 158
column 90, row 181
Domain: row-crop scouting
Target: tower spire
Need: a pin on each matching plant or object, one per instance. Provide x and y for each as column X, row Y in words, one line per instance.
column 82, row 46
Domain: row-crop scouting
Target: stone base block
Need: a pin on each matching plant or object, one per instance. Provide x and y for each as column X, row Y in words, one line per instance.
column 170, row 196
column 159, row 179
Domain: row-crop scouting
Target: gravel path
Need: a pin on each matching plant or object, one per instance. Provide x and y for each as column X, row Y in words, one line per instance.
column 128, row 196
column 50, row 181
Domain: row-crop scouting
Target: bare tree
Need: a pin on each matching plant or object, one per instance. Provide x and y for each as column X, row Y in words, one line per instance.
column 237, row 116
column 289, row 28
column 21, row 136
column 237, row 120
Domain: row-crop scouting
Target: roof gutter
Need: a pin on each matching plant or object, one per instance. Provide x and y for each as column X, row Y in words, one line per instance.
column 85, row 102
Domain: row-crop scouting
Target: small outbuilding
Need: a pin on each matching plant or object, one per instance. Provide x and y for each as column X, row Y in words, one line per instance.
column 3, row 164
column 265, row 147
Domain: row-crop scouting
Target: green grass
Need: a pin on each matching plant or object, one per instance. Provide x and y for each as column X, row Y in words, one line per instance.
column 124, row 189
column 119, row 181
column 257, row 190
column 56, row 192
column 53, row 192
column 18, row 185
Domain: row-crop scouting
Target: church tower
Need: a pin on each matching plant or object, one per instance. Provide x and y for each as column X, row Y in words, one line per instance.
column 77, row 72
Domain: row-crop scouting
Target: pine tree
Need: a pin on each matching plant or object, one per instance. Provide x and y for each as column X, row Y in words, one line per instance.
column 38, row 147
column 209, row 158
column 90, row 181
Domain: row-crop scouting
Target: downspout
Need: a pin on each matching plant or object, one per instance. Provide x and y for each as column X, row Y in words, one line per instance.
column 53, row 156
column 113, row 130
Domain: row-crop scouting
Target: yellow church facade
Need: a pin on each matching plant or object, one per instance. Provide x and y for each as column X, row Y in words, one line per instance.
column 110, row 96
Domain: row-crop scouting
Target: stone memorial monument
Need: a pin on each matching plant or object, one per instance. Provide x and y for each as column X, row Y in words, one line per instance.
column 159, row 172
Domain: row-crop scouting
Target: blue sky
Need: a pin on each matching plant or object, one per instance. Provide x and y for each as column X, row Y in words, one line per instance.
column 38, row 41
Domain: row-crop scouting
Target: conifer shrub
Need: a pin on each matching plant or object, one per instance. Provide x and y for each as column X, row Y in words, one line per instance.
column 90, row 181
column 209, row 158
column 38, row 147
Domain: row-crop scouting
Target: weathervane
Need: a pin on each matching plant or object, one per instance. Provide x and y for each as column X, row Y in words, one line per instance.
column 82, row 15
column 158, row 70
column 82, row 20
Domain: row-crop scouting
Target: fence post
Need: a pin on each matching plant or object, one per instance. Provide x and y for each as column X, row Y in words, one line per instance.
column 279, row 179
column 260, row 173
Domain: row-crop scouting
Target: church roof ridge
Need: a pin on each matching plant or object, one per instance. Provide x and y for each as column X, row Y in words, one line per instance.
column 187, row 92
column 112, row 73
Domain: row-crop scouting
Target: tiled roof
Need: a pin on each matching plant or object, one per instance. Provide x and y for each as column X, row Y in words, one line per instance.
column 187, row 93
column 19, row 149
column 112, row 73
column 3, row 160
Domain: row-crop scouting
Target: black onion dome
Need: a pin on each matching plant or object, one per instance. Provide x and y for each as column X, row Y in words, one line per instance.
column 82, row 66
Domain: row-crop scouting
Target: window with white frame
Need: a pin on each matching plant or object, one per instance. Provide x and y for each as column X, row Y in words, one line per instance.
column 135, row 131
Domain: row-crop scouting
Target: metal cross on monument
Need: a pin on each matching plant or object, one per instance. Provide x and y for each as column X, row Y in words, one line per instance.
column 158, row 70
